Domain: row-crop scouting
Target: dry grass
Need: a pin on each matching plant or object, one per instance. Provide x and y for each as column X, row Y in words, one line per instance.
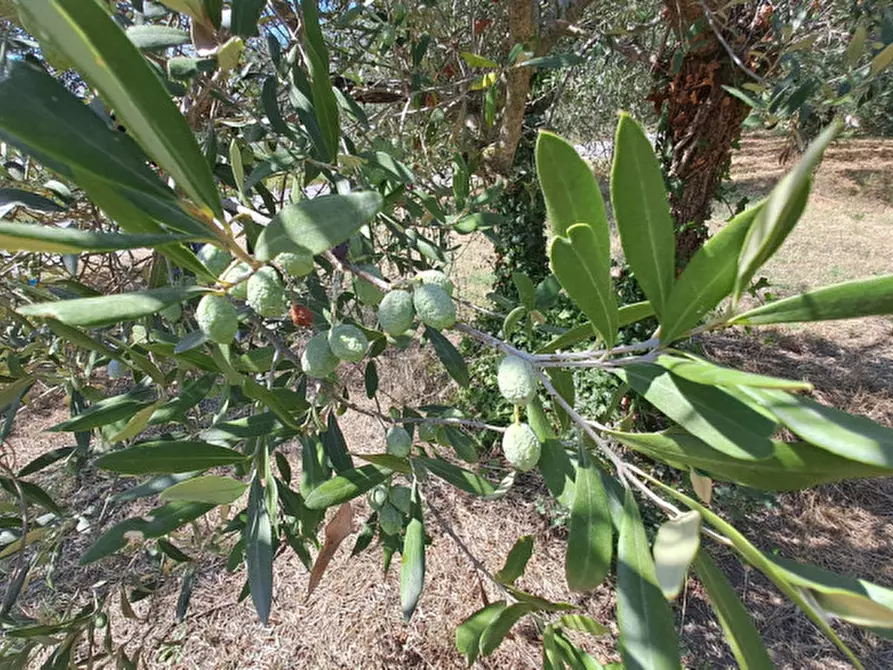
column 352, row 620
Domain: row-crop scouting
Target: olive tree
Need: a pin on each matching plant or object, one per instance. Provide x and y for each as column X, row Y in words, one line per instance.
column 276, row 241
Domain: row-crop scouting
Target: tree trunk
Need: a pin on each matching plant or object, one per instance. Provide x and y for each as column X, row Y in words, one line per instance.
column 703, row 123
column 517, row 86
column 702, row 120
column 539, row 39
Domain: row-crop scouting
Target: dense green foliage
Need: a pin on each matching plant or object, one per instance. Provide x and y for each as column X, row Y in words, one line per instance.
column 132, row 144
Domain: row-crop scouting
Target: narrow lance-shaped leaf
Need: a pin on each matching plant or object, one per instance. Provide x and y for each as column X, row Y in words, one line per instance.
column 168, row 456
column 570, row 191
column 412, row 565
column 462, row 479
column 501, row 625
column 698, row 370
column 647, row 632
column 52, row 240
column 109, row 309
column 516, row 561
column 625, row 315
column 450, row 357
column 675, row 547
column 335, row 446
column 346, row 486
column 157, row 523
column 19, row 197
column 849, row 436
column 577, row 263
column 643, row 214
column 259, row 552
column 91, row 39
column 708, row 278
column 318, row 224
column 854, row 600
column 211, row 489
column 781, row 211
column 44, row 119
column 468, row 633
column 718, row 418
column 764, row 565
column 791, row 467
column 590, row 534
column 849, row 300
column 740, row 632
column 324, row 101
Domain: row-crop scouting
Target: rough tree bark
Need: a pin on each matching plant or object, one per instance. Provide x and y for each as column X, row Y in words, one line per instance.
column 702, row 120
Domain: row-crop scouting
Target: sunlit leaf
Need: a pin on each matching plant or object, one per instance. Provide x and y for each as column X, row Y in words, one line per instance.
column 570, row 191
column 846, row 435
column 708, row 412
column 412, row 565
column 516, row 561
column 590, row 534
column 647, row 632
column 708, row 278
column 577, row 262
column 211, row 489
column 675, row 546
column 99, row 48
column 259, row 551
column 346, row 486
column 468, row 633
column 317, row 224
column 168, row 456
column 781, row 211
column 849, row 300
column 110, row 309
column 738, row 627
column 643, row 213
column 156, row 523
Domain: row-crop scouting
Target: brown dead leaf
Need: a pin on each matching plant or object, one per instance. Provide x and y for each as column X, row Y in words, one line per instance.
column 703, row 486
column 336, row 530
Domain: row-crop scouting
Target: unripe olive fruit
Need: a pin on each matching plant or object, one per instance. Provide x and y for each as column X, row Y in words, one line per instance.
column 434, row 306
column 395, row 313
column 399, row 442
column 214, row 258
column 295, row 263
column 521, row 446
column 377, row 497
column 437, row 278
column 217, row 318
column 266, row 294
column 318, row 360
column 348, row 343
column 237, row 274
column 517, row 380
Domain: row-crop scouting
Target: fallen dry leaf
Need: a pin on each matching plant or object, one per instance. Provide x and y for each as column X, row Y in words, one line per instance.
column 336, row 530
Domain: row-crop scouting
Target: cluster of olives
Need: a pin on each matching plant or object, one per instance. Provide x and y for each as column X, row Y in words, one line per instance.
column 263, row 290
column 517, row 384
column 430, row 300
column 392, row 503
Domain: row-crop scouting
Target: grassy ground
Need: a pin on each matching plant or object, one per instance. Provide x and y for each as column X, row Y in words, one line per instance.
column 352, row 620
